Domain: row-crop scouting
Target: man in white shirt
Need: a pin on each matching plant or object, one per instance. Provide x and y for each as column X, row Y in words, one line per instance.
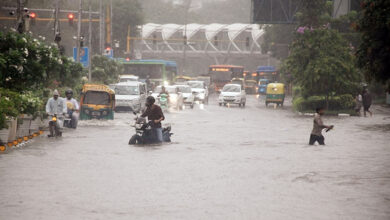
column 56, row 106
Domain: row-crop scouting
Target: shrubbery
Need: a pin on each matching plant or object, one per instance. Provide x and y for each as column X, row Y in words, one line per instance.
column 13, row 104
column 28, row 70
column 336, row 103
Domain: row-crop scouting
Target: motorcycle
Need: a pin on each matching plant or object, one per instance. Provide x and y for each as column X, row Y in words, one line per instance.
column 71, row 119
column 144, row 133
column 54, row 126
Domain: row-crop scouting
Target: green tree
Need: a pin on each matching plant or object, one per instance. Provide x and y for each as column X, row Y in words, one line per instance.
column 374, row 51
column 321, row 63
column 105, row 70
column 125, row 13
column 27, row 64
column 277, row 38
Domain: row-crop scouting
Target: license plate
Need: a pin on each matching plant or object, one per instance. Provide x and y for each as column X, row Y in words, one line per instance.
column 95, row 113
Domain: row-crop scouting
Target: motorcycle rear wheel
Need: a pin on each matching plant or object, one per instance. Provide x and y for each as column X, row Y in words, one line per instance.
column 133, row 140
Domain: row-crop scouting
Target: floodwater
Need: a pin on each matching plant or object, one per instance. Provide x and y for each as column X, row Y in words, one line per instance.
column 224, row 163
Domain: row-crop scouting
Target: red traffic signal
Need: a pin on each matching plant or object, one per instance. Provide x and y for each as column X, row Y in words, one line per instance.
column 127, row 59
column 32, row 15
column 70, row 16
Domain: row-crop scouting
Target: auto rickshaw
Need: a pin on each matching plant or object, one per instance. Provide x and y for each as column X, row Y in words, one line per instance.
column 275, row 94
column 97, row 101
column 250, row 86
column 262, row 87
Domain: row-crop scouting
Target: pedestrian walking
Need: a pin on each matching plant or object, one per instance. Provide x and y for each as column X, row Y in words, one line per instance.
column 367, row 101
column 318, row 126
column 358, row 103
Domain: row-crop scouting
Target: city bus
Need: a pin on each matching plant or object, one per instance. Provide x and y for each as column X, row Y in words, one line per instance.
column 223, row 74
column 267, row 72
column 159, row 71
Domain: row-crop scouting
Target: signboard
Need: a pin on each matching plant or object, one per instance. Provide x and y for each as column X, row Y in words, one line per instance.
column 220, row 69
column 84, row 53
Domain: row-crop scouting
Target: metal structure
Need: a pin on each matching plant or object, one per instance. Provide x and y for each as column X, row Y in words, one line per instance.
column 275, row 11
column 207, row 43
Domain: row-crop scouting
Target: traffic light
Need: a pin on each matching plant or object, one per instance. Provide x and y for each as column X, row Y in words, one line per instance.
column 32, row 17
column 70, row 19
column 127, row 58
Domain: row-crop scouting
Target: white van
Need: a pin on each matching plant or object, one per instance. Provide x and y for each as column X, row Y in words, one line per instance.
column 130, row 96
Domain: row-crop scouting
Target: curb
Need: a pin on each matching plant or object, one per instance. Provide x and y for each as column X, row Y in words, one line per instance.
column 312, row 114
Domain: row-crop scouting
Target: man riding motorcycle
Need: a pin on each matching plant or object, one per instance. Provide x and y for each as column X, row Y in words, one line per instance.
column 154, row 114
column 56, row 106
column 73, row 108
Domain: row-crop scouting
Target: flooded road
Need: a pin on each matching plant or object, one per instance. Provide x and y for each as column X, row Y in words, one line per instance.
column 224, row 163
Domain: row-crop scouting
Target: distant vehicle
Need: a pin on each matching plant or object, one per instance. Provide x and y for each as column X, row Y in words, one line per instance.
column 232, row 94
column 223, row 74
column 268, row 72
column 250, row 86
column 160, row 72
column 97, row 101
column 188, row 96
column 262, row 86
column 130, row 96
column 175, row 99
column 275, row 94
column 182, row 80
column 200, row 91
column 238, row 81
column 128, row 78
column 251, row 76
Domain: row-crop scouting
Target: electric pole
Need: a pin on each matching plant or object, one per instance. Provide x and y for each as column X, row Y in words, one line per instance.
column 20, row 17
column 89, row 42
column 79, row 30
column 57, row 31
column 101, row 27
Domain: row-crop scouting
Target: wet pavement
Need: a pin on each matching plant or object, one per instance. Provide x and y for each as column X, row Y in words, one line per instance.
column 224, row 163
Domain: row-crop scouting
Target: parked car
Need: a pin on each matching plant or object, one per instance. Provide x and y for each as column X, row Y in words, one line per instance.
column 175, row 96
column 200, row 91
column 232, row 94
column 130, row 96
column 188, row 96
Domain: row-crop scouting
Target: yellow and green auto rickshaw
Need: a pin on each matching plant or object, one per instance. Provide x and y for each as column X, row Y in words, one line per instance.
column 275, row 94
column 97, row 101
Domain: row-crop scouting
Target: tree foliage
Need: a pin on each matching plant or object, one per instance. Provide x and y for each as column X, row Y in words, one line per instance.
column 321, row 63
column 27, row 64
column 374, row 51
column 105, row 70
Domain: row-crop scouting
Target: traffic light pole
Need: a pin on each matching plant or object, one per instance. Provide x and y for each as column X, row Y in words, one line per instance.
column 79, row 30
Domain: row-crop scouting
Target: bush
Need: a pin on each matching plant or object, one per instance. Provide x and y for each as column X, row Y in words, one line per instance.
column 336, row 103
column 13, row 104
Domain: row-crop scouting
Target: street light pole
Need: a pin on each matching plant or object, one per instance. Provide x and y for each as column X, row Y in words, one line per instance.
column 185, row 35
column 89, row 42
column 79, row 30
